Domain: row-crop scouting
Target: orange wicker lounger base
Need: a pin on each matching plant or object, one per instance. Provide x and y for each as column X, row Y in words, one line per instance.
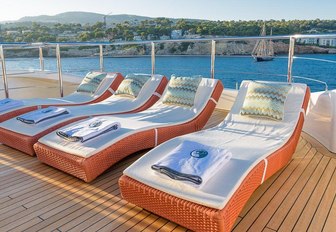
column 201, row 218
column 88, row 169
column 114, row 86
column 25, row 143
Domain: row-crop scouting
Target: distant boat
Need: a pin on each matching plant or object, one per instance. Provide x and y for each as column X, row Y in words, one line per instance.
column 263, row 50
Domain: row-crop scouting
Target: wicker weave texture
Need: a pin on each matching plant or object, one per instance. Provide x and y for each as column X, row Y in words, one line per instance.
column 280, row 159
column 188, row 214
column 25, row 143
column 200, row 218
column 88, row 169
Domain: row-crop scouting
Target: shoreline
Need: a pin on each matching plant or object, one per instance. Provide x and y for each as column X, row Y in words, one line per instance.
column 174, row 49
column 172, row 55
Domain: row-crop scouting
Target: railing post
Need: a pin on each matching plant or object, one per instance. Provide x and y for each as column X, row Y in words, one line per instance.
column 101, row 58
column 4, row 72
column 41, row 59
column 153, row 57
column 213, row 57
column 59, row 68
column 290, row 58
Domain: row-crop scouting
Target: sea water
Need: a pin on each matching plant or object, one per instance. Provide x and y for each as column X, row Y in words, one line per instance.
column 231, row 69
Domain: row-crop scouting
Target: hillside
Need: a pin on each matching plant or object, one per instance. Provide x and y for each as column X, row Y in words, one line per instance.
column 82, row 18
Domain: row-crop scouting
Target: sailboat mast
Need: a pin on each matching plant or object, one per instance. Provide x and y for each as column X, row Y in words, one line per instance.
column 270, row 45
column 263, row 49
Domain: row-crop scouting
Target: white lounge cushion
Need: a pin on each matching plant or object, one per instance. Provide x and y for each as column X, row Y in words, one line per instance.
column 111, row 105
column 73, row 98
column 249, row 140
column 160, row 115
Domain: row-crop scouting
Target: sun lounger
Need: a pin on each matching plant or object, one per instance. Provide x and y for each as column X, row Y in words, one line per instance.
column 105, row 89
column 259, row 148
column 138, row 131
column 23, row 136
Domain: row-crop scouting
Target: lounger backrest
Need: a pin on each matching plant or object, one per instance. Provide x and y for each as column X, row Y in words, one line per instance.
column 293, row 103
column 202, row 96
column 88, row 97
column 149, row 88
column 105, row 84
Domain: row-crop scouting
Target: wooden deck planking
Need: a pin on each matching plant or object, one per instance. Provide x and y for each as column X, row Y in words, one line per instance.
column 35, row 197
column 290, row 173
column 291, row 189
column 325, row 205
column 26, row 87
column 315, row 199
column 330, row 224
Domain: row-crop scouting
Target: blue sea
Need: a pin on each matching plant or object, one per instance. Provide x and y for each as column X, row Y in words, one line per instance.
column 231, row 70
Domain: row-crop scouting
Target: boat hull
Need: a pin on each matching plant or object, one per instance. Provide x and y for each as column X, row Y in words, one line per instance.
column 265, row 58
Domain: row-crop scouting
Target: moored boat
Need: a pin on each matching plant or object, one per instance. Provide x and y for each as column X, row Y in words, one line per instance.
column 263, row 50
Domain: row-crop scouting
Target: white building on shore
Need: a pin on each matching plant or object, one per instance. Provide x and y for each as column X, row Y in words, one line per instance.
column 327, row 42
column 311, row 41
column 13, row 33
column 164, row 37
column 176, row 34
column 316, row 41
column 137, row 38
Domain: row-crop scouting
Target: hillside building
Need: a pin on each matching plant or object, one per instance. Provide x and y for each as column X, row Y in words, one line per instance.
column 327, row 42
column 176, row 34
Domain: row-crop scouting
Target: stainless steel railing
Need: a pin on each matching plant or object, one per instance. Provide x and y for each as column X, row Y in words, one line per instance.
column 40, row 46
column 4, row 72
column 312, row 79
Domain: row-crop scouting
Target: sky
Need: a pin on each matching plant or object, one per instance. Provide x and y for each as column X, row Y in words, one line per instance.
column 200, row 9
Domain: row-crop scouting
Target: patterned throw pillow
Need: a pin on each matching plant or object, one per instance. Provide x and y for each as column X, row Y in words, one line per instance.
column 181, row 91
column 132, row 84
column 265, row 100
column 91, row 82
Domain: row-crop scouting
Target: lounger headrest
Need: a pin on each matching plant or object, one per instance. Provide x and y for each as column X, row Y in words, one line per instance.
column 265, row 100
column 181, row 91
column 132, row 84
column 293, row 103
column 202, row 95
column 91, row 82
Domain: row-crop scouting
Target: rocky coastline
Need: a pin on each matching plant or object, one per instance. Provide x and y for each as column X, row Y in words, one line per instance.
column 169, row 49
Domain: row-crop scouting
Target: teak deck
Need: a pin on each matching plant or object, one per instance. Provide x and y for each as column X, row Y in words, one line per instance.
column 34, row 196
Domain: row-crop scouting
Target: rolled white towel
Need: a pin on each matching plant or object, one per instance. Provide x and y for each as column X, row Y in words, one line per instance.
column 8, row 103
column 88, row 129
column 193, row 163
column 37, row 116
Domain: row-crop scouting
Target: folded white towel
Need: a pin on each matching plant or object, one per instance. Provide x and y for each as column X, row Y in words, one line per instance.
column 88, row 129
column 8, row 103
column 37, row 116
column 193, row 163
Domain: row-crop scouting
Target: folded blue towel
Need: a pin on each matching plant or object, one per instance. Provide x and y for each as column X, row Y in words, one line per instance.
column 40, row 115
column 193, row 162
column 88, row 129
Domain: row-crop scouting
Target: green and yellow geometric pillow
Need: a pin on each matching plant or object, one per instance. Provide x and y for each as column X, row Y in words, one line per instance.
column 181, row 91
column 132, row 84
column 265, row 100
column 91, row 82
